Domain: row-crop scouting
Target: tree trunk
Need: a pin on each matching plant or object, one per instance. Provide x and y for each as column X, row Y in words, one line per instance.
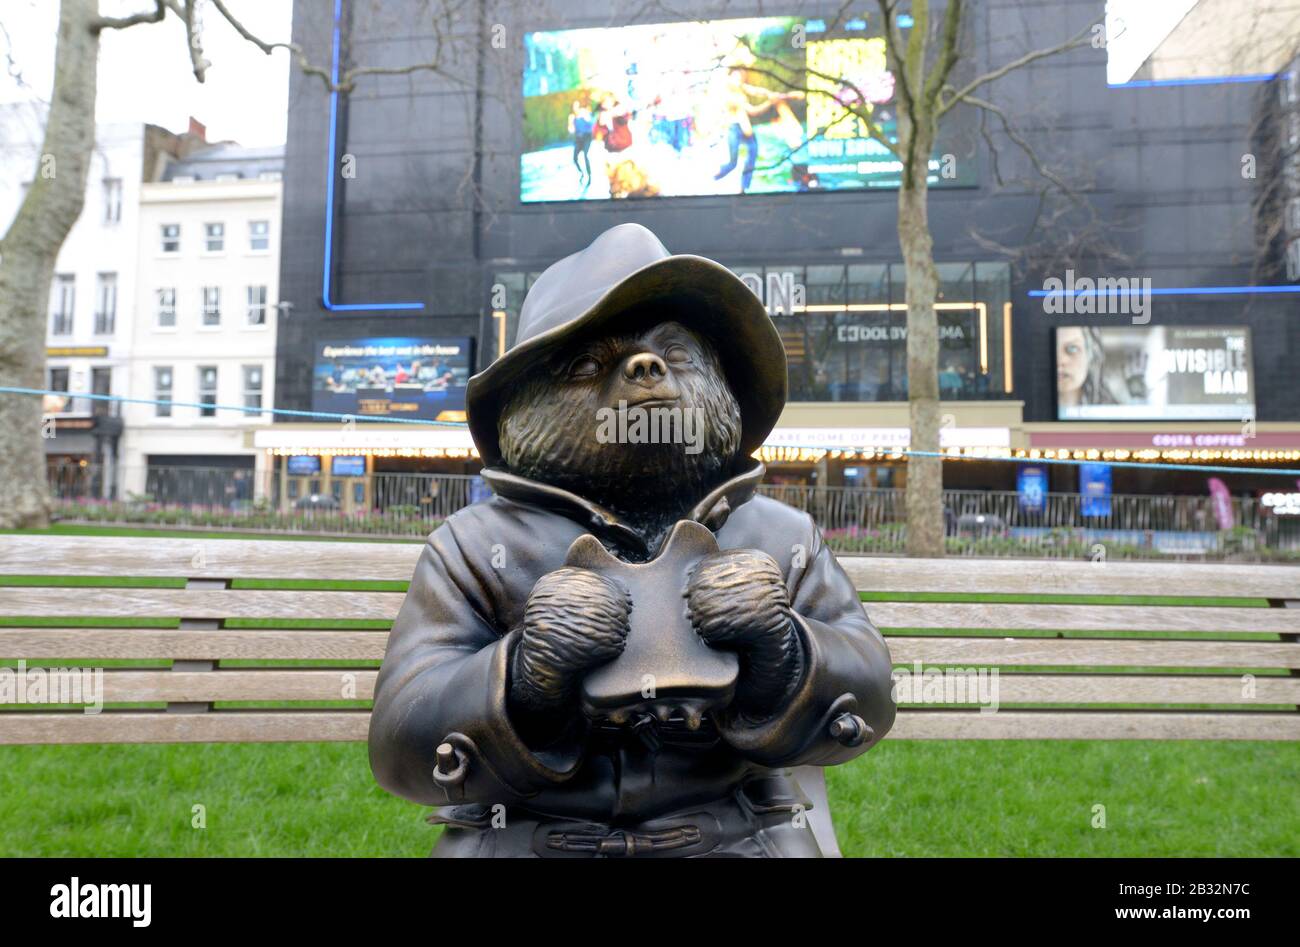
column 925, row 533
column 28, row 254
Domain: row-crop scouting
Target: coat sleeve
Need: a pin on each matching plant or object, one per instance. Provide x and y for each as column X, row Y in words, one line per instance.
column 846, row 669
column 444, row 679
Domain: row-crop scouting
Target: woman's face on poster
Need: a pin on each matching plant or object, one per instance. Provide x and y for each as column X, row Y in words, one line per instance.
column 1071, row 360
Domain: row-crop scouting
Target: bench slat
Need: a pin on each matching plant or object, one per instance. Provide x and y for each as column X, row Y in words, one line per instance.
column 231, row 726
column 1071, row 577
column 383, row 606
column 293, row 559
column 191, row 645
column 1070, row 652
column 121, row 686
column 311, row 726
column 273, row 644
column 207, row 558
column 1093, row 725
column 1131, row 689
column 198, row 603
column 1213, row 621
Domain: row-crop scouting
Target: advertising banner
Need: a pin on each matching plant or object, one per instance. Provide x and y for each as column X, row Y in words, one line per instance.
column 392, row 377
column 1094, row 486
column 711, row 107
column 1031, row 485
column 1141, row 373
column 1222, row 500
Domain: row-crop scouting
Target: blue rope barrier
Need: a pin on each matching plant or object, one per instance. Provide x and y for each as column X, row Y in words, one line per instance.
column 902, row 452
column 326, row 415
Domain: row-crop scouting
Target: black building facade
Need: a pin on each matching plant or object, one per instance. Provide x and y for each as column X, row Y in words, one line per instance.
column 403, row 213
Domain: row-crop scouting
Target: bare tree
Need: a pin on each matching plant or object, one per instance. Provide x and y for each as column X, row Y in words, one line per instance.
column 924, row 61
column 923, row 64
column 28, row 253
column 30, row 248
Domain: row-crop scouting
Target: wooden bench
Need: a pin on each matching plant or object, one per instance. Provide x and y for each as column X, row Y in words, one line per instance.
column 1214, row 671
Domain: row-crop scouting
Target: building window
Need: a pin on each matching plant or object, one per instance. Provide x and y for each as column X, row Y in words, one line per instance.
column 257, row 305
column 106, row 304
column 212, row 305
column 171, row 238
column 269, row 176
column 162, row 391
column 208, row 391
column 167, row 308
column 214, row 237
column 252, row 386
column 63, row 298
column 112, row 200
column 101, row 383
column 57, row 380
column 259, row 235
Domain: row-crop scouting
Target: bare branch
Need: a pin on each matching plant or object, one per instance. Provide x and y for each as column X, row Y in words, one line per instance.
column 123, row 22
column 347, row 80
column 948, row 52
column 15, row 71
column 353, row 74
column 243, row 31
column 894, row 46
column 861, row 110
column 1058, row 233
column 1024, row 146
column 1078, row 39
column 194, row 39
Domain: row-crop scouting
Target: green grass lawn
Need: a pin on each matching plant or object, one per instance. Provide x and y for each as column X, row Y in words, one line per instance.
column 939, row 798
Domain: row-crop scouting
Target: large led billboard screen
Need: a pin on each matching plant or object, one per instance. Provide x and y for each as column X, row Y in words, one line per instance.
column 392, row 377
column 1150, row 373
column 710, row 108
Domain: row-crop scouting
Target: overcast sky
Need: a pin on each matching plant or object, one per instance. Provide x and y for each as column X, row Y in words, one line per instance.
column 1135, row 28
column 145, row 73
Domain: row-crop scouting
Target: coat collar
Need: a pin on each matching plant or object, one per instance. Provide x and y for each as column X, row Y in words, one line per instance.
column 712, row 511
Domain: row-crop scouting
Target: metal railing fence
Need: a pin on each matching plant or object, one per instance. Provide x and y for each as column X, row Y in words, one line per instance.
column 854, row 520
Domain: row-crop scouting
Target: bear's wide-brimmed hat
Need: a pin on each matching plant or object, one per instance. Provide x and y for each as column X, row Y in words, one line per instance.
column 624, row 269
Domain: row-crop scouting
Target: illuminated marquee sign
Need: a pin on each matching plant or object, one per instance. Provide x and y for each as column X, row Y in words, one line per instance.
column 883, row 438
column 1282, row 504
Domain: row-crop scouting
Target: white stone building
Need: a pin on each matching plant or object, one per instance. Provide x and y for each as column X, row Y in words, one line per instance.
column 91, row 321
column 205, row 312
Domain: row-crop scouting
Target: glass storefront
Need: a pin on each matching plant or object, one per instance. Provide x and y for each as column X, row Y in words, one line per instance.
column 844, row 327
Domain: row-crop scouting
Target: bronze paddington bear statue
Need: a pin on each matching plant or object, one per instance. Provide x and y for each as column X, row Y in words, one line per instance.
column 625, row 651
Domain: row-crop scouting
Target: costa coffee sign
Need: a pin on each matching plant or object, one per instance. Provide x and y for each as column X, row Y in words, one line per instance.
column 1188, row 440
column 1203, row 440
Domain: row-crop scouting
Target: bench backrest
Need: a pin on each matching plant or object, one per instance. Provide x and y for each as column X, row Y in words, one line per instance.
column 232, row 651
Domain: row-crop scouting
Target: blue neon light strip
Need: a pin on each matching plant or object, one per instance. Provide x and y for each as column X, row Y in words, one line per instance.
column 1172, row 291
column 329, row 194
column 1203, row 80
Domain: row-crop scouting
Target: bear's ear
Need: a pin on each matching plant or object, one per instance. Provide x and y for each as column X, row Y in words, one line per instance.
column 587, row 552
column 690, row 538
